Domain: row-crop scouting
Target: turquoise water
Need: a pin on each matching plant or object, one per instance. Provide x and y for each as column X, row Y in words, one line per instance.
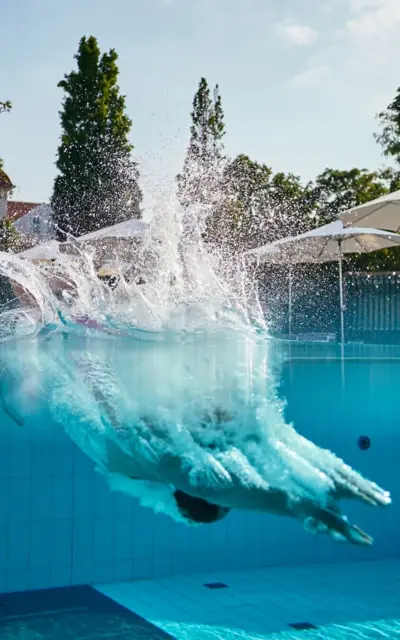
column 60, row 525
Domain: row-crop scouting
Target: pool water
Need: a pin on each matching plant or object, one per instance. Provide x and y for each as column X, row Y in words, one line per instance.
column 332, row 602
column 61, row 526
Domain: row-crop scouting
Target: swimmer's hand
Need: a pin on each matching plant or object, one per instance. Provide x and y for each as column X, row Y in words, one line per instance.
column 318, row 519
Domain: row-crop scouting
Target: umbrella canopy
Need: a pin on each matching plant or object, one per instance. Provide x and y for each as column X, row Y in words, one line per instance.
column 46, row 251
column 384, row 213
column 121, row 240
column 325, row 244
column 133, row 228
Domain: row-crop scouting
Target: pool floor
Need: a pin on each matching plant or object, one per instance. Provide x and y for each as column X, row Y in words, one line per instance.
column 71, row 613
column 333, row 602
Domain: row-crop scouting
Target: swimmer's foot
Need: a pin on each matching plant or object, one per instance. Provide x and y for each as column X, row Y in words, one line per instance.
column 350, row 484
column 347, row 482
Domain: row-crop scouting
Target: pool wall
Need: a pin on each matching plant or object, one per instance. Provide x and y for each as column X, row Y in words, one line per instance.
column 60, row 524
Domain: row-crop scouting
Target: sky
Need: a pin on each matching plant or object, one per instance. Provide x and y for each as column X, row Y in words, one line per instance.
column 301, row 80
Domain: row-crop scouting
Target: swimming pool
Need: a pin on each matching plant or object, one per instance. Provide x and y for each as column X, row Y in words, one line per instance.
column 61, row 526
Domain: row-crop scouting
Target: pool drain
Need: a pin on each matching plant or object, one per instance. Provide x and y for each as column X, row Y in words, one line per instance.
column 364, row 443
column 302, row 626
column 216, row 585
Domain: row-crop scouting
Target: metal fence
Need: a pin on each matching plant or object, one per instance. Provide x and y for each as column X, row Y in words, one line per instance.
column 373, row 302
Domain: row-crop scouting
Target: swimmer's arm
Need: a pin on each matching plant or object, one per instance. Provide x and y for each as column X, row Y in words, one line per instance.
column 167, row 468
column 118, row 461
column 204, row 483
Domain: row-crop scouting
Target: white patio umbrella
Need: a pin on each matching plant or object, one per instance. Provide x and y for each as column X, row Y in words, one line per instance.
column 325, row 244
column 119, row 239
column 383, row 213
column 45, row 251
column 132, row 228
column 48, row 251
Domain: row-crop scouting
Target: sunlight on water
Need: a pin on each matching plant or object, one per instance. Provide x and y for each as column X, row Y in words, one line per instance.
column 379, row 629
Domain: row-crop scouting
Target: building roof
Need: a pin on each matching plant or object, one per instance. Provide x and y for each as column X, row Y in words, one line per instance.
column 5, row 182
column 16, row 209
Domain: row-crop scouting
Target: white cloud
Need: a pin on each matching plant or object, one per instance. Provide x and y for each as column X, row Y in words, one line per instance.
column 302, row 36
column 373, row 19
column 309, row 78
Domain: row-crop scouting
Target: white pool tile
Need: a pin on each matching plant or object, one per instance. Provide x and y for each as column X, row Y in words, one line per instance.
column 259, row 603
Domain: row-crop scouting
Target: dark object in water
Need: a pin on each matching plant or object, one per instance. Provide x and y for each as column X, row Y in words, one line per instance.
column 216, row 585
column 364, row 442
column 302, row 626
column 199, row 510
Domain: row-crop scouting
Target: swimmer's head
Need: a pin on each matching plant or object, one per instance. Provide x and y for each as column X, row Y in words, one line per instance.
column 197, row 510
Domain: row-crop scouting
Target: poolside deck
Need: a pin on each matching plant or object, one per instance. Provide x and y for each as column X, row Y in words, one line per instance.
column 354, row 600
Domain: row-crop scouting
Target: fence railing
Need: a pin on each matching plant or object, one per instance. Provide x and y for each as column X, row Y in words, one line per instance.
column 373, row 302
column 372, row 307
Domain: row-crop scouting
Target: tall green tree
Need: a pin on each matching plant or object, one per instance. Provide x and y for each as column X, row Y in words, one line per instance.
column 389, row 136
column 389, row 139
column 97, row 181
column 199, row 181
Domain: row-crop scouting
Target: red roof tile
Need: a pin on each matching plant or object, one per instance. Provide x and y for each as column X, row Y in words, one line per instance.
column 16, row 210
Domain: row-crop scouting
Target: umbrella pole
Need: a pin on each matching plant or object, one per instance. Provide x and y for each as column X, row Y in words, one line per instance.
column 290, row 300
column 341, row 294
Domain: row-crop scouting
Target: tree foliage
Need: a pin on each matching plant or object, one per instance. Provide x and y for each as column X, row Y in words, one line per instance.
column 389, row 136
column 10, row 239
column 5, row 106
column 199, row 182
column 336, row 190
column 259, row 206
column 97, row 181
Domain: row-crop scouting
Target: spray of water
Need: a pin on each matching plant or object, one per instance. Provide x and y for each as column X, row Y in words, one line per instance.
column 165, row 380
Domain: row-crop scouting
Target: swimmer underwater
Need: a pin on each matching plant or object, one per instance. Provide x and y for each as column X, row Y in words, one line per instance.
column 169, row 482
column 201, row 504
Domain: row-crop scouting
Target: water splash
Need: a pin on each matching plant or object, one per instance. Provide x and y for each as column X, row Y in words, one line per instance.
column 165, row 380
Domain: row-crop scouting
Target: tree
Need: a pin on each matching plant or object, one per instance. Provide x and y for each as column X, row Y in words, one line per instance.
column 199, row 181
column 259, row 206
column 389, row 137
column 294, row 205
column 336, row 190
column 97, row 183
column 4, row 107
column 235, row 222
column 392, row 178
column 10, row 239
